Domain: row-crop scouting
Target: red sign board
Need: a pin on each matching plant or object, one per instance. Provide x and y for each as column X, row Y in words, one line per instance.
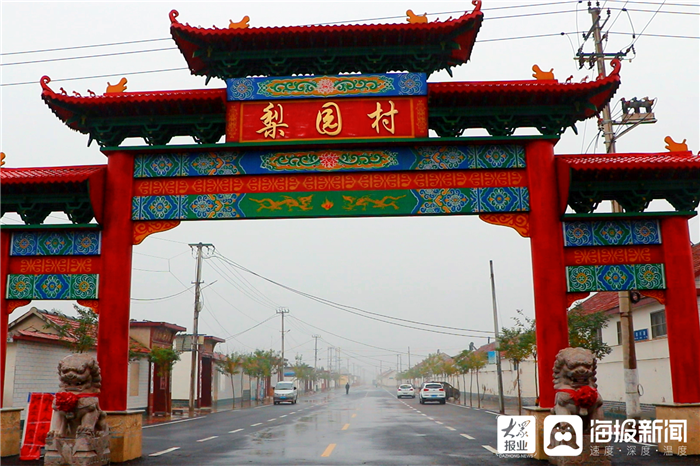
column 316, row 119
column 37, row 425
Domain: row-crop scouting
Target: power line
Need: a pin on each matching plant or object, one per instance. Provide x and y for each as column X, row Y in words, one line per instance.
column 254, row 326
column 655, row 3
column 499, row 39
column 348, row 308
column 250, row 285
column 664, row 12
column 164, row 297
column 58, row 49
column 87, row 56
column 97, row 76
column 344, row 338
column 266, row 302
column 648, row 23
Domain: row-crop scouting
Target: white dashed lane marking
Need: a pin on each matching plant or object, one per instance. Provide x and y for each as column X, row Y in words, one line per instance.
column 164, row 451
column 208, row 438
column 253, row 425
column 467, row 436
column 491, row 449
column 234, row 431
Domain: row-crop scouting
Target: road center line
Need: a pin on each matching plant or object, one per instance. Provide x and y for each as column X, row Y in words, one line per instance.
column 253, row 425
column 328, row 450
column 208, row 438
column 491, row 449
column 450, row 428
column 234, row 431
column 164, row 451
column 345, row 427
column 467, row 436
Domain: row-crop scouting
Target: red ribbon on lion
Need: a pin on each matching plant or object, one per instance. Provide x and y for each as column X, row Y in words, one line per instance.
column 584, row 397
column 66, row 401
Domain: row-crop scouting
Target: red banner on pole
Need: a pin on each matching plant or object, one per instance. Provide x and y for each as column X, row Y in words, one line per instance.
column 37, row 425
column 296, row 120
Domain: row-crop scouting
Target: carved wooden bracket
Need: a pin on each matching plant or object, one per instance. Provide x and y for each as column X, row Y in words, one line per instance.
column 519, row 222
column 659, row 295
column 93, row 304
column 571, row 298
column 143, row 229
column 13, row 304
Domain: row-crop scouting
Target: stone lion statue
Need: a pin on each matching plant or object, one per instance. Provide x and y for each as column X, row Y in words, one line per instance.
column 575, row 386
column 76, row 410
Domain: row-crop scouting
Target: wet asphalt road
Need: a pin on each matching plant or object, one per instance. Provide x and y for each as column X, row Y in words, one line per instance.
column 368, row 426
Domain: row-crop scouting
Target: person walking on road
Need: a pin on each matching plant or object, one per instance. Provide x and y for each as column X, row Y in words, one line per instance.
column 347, row 388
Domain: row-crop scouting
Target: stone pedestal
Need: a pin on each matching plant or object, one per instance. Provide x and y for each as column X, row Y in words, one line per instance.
column 125, row 432
column 586, row 457
column 81, row 451
column 10, row 431
column 540, row 414
column 690, row 412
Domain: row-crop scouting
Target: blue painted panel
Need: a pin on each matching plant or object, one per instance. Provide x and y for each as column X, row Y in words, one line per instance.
column 56, row 243
column 324, row 87
column 263, row 162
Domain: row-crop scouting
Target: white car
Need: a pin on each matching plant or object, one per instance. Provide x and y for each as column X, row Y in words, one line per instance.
column 405, row 389
column 432, row 391
column 285, row 392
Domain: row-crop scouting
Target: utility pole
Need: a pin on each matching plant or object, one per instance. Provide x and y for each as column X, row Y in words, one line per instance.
column 338, row 362
column 409, row 358
column 315, row 337
column 629, row 355
column 282, row 311
column 501, row 401
column 330, row 359
column 195, row 326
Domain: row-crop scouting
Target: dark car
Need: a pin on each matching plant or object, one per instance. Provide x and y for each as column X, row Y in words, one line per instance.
column 450, row 391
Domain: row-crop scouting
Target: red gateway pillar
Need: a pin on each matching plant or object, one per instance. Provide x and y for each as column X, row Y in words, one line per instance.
column 682, row 320
column 4, row 315
column 547, row 249
column 115, row 282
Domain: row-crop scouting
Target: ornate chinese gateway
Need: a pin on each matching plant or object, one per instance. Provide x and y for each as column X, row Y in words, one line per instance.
column 340, row 121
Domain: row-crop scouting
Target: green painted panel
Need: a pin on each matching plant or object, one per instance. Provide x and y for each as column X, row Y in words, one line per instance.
column 445, row 201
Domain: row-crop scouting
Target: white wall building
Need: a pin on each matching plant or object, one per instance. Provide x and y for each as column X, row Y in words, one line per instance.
column 653, row 364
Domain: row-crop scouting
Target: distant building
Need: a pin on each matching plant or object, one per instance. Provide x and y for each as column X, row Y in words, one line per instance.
column 649, row 317
column 35, row 347
column 211, row 384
